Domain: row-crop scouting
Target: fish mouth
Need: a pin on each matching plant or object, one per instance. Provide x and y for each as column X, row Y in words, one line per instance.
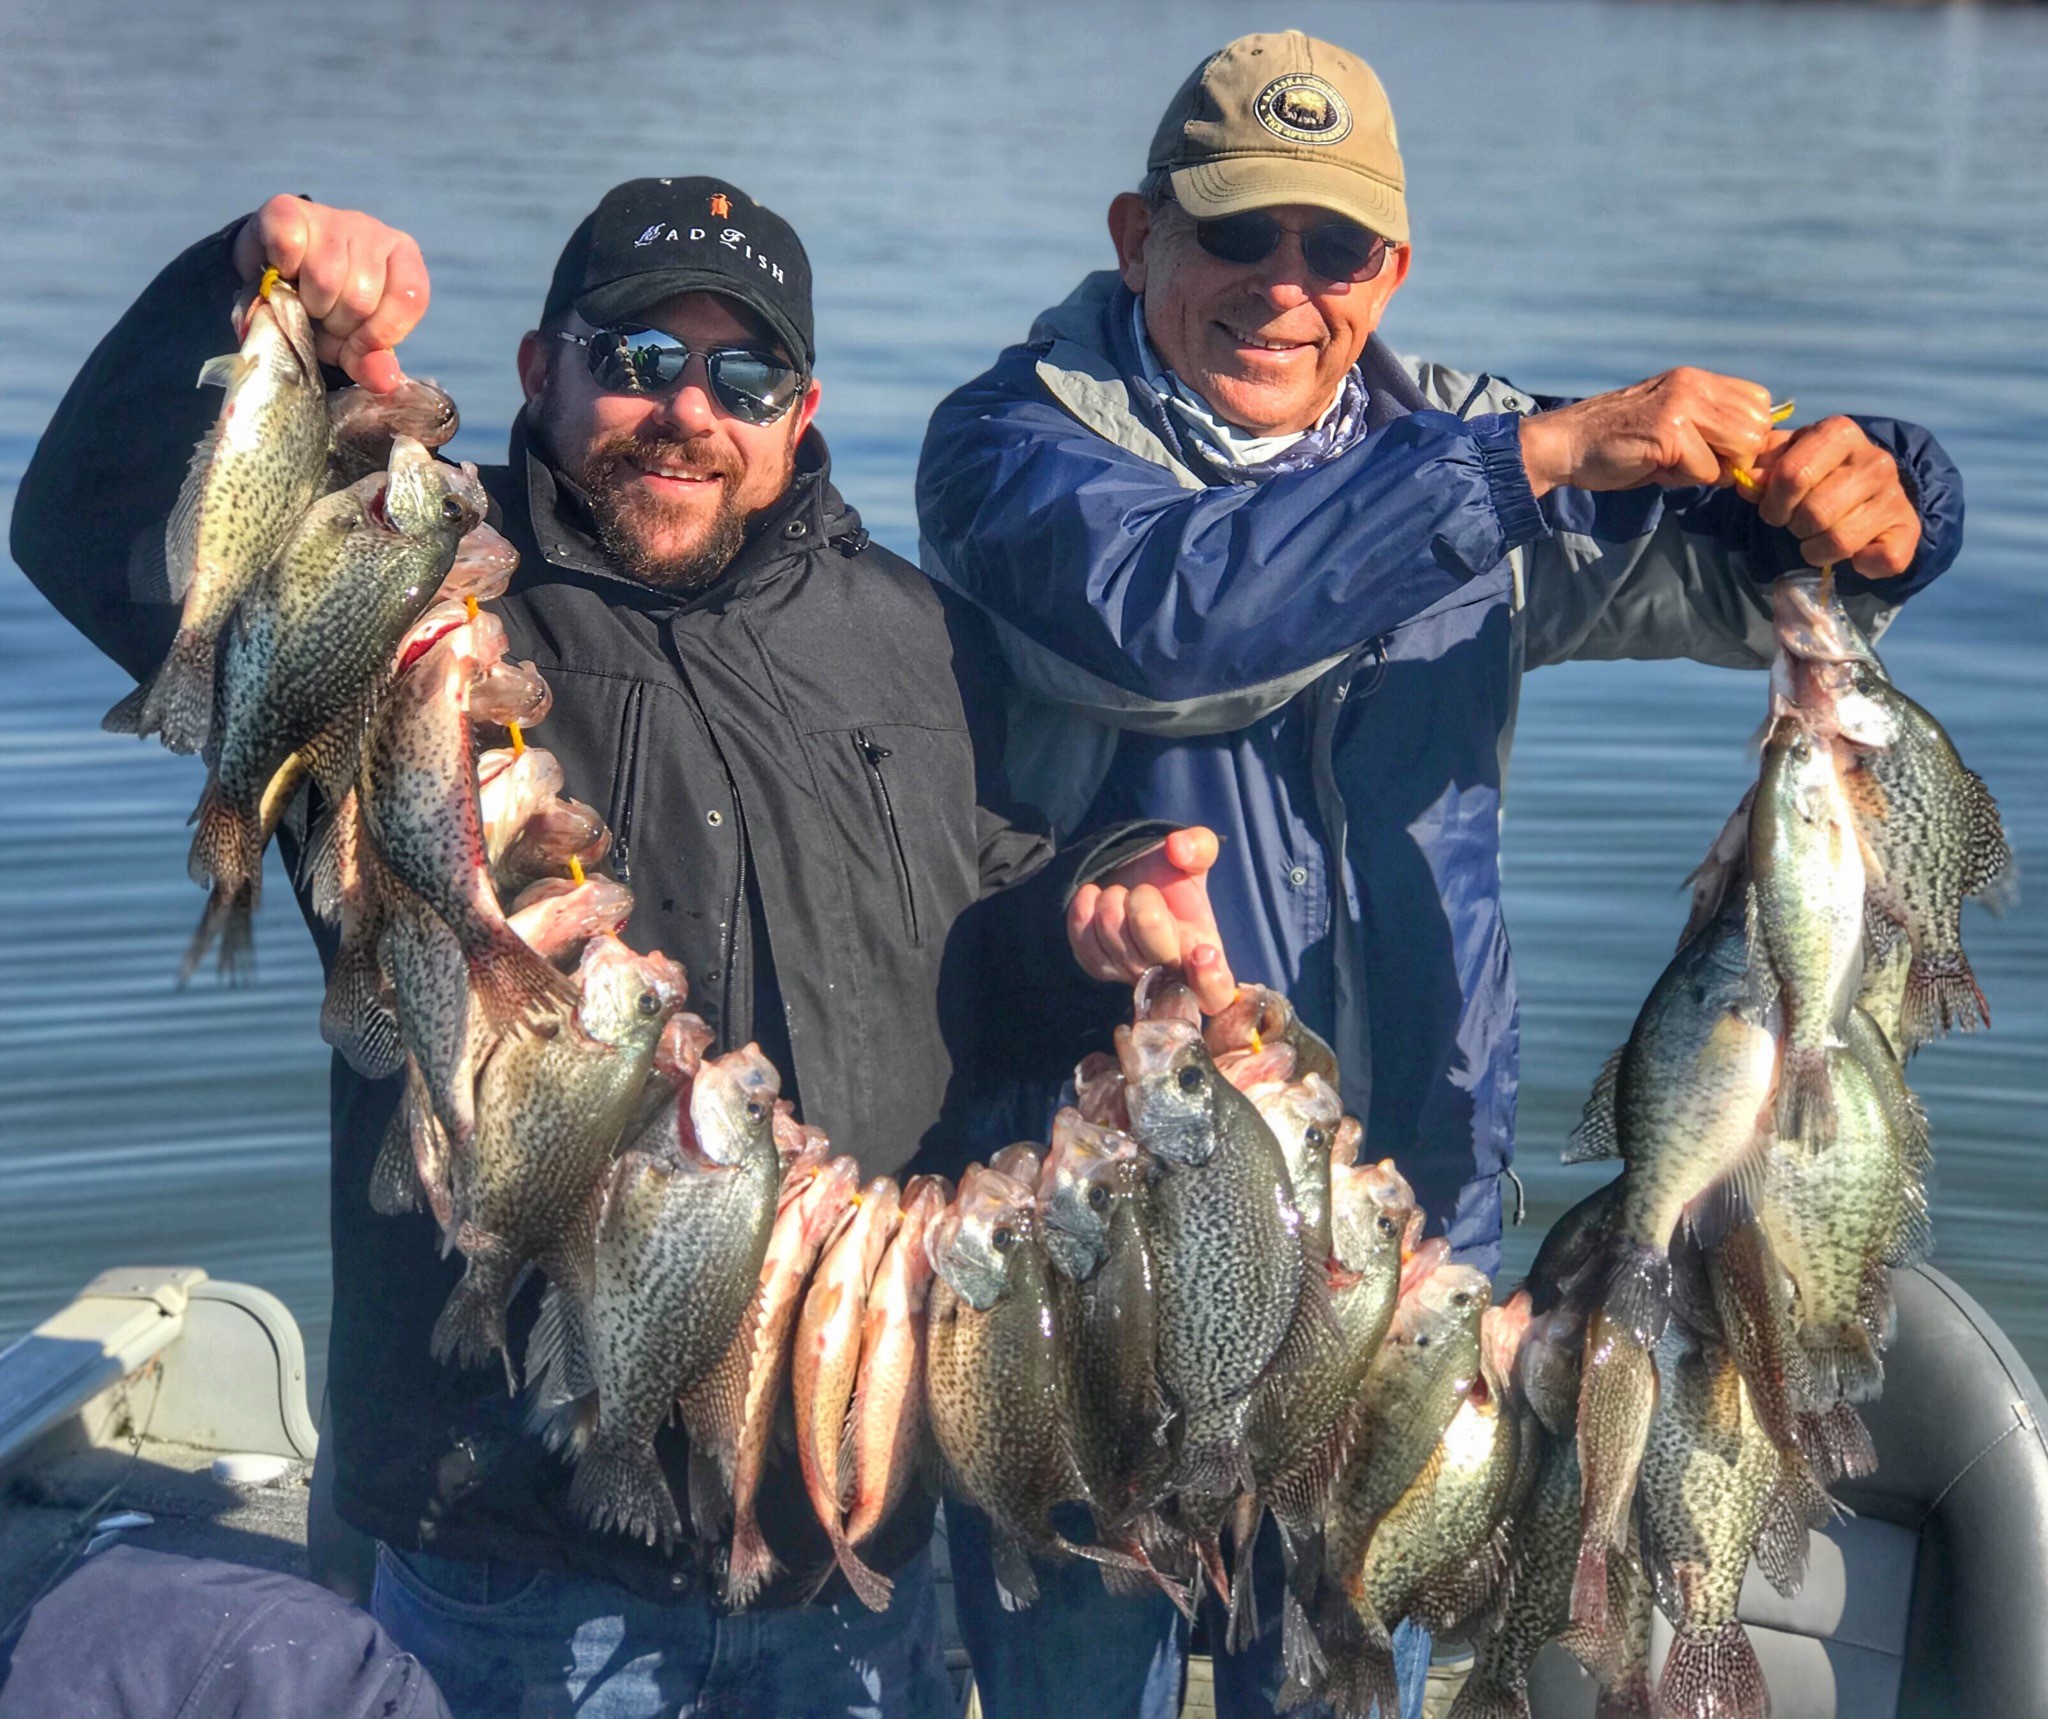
column 424, row 639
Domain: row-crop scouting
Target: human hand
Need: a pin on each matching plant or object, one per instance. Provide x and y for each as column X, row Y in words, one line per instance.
column 1841, row 495
column 364, row 284
column 1685, row 426
column 1154, row 912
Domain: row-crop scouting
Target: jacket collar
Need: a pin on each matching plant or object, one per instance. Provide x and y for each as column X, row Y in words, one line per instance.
column 809, row 514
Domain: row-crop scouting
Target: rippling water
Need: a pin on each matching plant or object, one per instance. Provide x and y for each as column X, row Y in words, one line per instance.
column 1848, row 205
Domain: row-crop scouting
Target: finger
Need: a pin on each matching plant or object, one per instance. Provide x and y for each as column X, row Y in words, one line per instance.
column 1849, row 536
column 322, row 274
column 1192, row 850
column 1891, row 552
column 1081, row 938
column 277, row 236
column 1150, row 929
column 1107, row 925
column 361, row 290
column 1803, row 462
column 401, row 302
column 1849, row 486
column 1731, row 415
column 1693, row 461
column 1210, row 978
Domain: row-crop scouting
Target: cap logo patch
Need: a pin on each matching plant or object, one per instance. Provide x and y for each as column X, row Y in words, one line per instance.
column 721, row 205
column 1303, row 108
column 654, row 232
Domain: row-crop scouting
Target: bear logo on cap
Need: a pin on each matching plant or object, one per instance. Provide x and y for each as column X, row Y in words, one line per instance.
column 1303, row 108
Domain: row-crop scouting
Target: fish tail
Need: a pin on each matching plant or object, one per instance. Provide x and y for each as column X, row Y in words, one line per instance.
column 751, row 1563
column 1589, row 1587
column 1630, row 1698
column 1806, row 1102
column 394, row 1178
column 516, row 988
column 1362, row 1679
column 1942, row 995
column 471, row 1327
column 1490, row 1700
column 179, row 703
column 1016, row 1581
column 1838, row 1443
column 1714, row 1674
column 619, row 1484
column 710, row 1496
column 355, row 1018
column 869, row 1586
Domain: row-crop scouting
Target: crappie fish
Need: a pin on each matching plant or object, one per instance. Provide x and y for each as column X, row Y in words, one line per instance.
column 549, row 1111
column 1258, row 1016
column 1303, row 1115
column 826, row 1368
column 318, row 628
column 558, row 830
column 887, row 1421
column 251, row 477
column 811, row 1211
column 1807, row 861
column 1091, row 1202
column 1935, row 832
column 510, row 693
column 1164, row 994
column 1709, row 1476
column 362, row 425
column 511, row 787
column 680, row 1240
column 1839, row 1218
column 483, row 567
column 418, row 799
column 1226, row 1239
column 1099, row 1091
column 1019, row 1161
column 996, row 1389
column 555, row 918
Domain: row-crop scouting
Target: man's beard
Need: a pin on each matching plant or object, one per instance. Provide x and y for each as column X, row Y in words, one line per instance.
column 635, row 526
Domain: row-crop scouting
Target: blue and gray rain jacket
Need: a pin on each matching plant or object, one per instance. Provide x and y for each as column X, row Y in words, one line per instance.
column 1324, row 667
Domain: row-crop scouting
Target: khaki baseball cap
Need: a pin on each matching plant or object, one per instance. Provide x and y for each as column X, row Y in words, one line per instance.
column 1283, row 118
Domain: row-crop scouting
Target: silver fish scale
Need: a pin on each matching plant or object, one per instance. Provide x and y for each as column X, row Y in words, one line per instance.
column 1541, row 1562
column 1444, row 1518
column 1118, row 1413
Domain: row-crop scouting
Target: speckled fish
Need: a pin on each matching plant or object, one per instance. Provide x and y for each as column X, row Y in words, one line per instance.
column 680, row 1240
column 511, row 787
column 806, row 1220
column 887, row 1420
column 418, row 798
column 1303, row 1115
column 1092, row 1219
column 549, row 1112
column 314, row 644
column 1839, row 1218
column 1690, row 1106
column 996, row 1388
column 251, row 477
column 1259, row 1016
column 1710, row 1476
column 825, row 1368
column 1226, row 1239
column 1806, row 857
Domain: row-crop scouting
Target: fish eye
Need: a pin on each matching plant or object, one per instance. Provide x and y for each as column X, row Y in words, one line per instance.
column 649, row 1004
column 1462, row 1299
column 1191, row 1079
column 1422, row 1342
column 756, row 1110
column 1098, row 1197
column 1316, row 1137
column 1002, row 1238
column 451, row 509
column 1386, row 1224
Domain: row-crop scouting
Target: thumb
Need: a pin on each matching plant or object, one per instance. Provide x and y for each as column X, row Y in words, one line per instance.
column 1192, row 851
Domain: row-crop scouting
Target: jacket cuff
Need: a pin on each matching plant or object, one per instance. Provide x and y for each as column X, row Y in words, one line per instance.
column 1094, row 857
column 1499, row 439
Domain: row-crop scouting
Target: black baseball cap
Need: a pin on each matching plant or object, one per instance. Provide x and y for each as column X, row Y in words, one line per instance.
column 652, row 238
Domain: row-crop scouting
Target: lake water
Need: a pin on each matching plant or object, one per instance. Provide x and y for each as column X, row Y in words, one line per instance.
column 1849, row 205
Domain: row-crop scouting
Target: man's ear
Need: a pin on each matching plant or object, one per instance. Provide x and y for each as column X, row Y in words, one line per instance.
column 535, row 351
column 806, row 410
column 1130, row 224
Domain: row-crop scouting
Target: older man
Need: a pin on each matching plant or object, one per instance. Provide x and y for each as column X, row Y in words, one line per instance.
column 779, row 719
column 1247, row 566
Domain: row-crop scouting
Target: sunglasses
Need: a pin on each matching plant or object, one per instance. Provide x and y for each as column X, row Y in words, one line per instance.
column 1337, row 250
column 752, row 385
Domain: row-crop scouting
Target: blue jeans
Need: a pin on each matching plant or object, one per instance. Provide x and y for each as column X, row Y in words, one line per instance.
column 510, row 1641
column 1083, row 1653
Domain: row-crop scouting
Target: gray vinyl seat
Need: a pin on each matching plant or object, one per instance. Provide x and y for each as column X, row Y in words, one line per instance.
column 1931, row 1602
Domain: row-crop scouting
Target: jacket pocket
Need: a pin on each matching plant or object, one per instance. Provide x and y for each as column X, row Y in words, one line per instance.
column 874, row 757
column 626, row 782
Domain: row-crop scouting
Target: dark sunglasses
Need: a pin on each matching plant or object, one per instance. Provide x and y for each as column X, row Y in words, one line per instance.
column 1337, row 250
column 750, row 384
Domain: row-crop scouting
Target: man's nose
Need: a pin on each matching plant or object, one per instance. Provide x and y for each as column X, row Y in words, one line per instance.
column 688, row 405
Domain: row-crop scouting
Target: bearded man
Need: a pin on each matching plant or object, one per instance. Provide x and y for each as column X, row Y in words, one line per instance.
column 782, row 724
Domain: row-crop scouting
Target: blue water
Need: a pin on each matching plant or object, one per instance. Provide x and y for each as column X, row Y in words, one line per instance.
column 1848, row 205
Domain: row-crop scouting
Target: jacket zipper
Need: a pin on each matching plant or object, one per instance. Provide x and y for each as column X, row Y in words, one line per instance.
column 625, row 784
column 872, row 753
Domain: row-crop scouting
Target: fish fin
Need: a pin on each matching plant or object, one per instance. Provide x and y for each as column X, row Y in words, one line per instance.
column 1241, row 1624
column 710, row 1497
column 565, row 1424
column 355, row 1017
column 471, row 1325
column 1912, row 1238
column 619, row 1484
column 750, row 1566
column 1806, row 1101
column 1638, row 1293
column 229, row 920
column 181, row 530
column 515, row 988
column 1490, row 1700
column 1942, row 995
column 1876, row 1311
column 1837, row 1442
column 1845, row 1362
column 849, row 1456
column 1016, row 1581
column 1213, row 1461
column 1781, row 1536
column 222, row 372
column 1730, row 1204
column 557, row 1367
column 1363, row 1677
column 179, row 705
column 149, row 570
column 1454, row 1599
column 320, row 862
column 394, row 1179
column 713, row 1408
column 126, row 715
column 1990, row 871
column 869, row 1586
column 1713, row 1673
column 1596, row 1135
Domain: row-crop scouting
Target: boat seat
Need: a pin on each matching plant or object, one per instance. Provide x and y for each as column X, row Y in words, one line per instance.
column 1928, row 1602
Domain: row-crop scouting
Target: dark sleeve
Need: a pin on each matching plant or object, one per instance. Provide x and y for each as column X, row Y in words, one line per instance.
column 107, row 470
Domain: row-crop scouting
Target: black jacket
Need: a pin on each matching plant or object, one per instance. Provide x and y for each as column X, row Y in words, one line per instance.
column 799, row 771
